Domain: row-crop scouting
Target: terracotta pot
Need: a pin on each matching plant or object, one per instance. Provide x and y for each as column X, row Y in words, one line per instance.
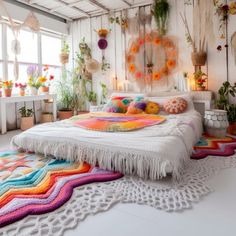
column 22, row 92
column 33, row 91
column 199, row 58
column 232, row 128
column 45, row 118
column 7, row 92
column 44, row 89
column 65, row 115
column 64, row 58
column 27, row 123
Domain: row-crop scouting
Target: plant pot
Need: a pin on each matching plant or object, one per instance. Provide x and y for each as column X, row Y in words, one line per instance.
column 22, row 92
column 199, row 58
column 45, row 118
column 26, row 123
column 64, row 58
column 7, row 92
column 33, row 91
column 44, row 90
column 232, row 128
column 65, row 114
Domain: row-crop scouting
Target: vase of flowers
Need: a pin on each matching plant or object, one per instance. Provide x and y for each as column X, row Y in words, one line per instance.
column 46, row 80
column 7, row 86
column 22, row 88
column 34, row 80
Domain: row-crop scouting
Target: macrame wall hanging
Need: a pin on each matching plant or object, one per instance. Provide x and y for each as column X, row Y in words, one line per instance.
column 30, row 22
column 151, row 58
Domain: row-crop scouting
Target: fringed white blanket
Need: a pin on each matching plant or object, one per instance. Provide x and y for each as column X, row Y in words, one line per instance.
column 149, row 153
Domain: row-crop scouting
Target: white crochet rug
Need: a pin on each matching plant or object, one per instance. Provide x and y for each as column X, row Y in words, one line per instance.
column 167, row 195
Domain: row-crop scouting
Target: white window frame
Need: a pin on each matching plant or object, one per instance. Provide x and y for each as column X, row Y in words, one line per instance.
column 5, row 60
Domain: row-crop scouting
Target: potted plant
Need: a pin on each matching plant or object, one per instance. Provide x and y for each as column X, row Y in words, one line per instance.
column 27, row 118
column 22, row 88
column 46, row 80
column 46, row 117
column 34, row 80
column 64, row 55
column 7, row 86
column 200, row 80
column 223, row 103
column 65, row 95
column 160, row 11
column 92, row 98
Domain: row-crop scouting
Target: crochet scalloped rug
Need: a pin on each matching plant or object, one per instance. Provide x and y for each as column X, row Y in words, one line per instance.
column 40, row 196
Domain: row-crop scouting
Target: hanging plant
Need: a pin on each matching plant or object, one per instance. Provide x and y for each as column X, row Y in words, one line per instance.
column 160, row 11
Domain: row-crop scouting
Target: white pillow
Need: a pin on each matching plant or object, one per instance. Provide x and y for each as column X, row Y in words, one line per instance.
column 124, row 94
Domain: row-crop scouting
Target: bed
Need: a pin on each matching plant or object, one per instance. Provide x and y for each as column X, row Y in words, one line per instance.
column 151, row 152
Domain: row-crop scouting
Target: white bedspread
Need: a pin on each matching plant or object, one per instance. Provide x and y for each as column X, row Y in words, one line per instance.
column 149, row 152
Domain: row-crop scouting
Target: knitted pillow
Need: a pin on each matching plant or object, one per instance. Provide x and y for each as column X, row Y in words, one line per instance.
column 175, row 105
column 136, row 107
column 118, row 105
column 152, row 108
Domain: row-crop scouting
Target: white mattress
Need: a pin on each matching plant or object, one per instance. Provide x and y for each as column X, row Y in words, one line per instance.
column 149, row 153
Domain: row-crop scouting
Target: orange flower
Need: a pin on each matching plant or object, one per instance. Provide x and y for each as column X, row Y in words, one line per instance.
column 138, row 75
column 157, row 41
column 130, row 58
column 148, row 38
column 134, row 49
column 156, row 76
column 165, row 71
column 167, row 43
column 42, row 79
column 132, row 68
column 171, row 63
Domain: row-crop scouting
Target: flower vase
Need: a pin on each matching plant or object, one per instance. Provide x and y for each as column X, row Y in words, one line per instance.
column 34, row 91
column 22, row 92
column 7, row 92
column 44, row 90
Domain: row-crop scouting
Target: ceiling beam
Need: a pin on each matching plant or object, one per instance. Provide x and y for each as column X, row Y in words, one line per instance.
column 127, row 3
column 44, row 9
column 63, row 4
column 98, row 4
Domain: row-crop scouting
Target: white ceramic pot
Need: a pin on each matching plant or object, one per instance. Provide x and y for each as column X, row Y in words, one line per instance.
column 216, row 122
column 33, row 91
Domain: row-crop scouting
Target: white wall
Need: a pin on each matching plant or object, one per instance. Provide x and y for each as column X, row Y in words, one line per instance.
column 216, row 65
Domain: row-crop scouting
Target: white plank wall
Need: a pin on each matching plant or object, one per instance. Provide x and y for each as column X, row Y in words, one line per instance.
column 118, row 42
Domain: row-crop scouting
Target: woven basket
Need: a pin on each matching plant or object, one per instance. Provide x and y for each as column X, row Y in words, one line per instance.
column 199, row 58
column 64, row 58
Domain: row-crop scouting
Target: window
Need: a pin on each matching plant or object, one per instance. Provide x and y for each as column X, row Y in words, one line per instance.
column 32, row 45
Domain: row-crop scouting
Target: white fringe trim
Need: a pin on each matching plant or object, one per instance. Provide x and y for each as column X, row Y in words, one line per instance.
column 126, row 161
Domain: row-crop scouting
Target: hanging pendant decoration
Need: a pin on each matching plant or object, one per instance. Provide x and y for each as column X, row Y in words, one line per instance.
column 161, row 57
column 103, row 44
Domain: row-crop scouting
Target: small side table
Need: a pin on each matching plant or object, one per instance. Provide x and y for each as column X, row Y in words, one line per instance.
column 216, row 122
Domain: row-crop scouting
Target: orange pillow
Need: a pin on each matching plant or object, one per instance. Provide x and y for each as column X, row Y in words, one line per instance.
column 152, row 108
column 175, row 105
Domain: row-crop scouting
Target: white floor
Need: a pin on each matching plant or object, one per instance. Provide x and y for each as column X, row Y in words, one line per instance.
column 214, row 215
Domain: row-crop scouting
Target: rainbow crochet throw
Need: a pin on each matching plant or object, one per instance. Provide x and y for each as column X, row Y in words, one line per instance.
column 209, row 145
column 115, row 122
column 31, row 184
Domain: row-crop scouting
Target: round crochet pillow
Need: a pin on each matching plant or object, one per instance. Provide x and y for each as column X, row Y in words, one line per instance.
column 175, row 105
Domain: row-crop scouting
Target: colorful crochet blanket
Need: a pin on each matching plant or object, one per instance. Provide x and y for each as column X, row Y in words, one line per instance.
column 115, row 122
column 31, row 184
column 209, row 145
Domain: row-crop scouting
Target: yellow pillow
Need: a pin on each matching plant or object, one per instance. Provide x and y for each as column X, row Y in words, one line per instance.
column 152, row 108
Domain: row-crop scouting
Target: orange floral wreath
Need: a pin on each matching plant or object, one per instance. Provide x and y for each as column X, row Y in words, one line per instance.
column 156, row 41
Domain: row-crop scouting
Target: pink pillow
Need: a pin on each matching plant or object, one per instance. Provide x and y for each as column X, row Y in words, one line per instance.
column 175, row 105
